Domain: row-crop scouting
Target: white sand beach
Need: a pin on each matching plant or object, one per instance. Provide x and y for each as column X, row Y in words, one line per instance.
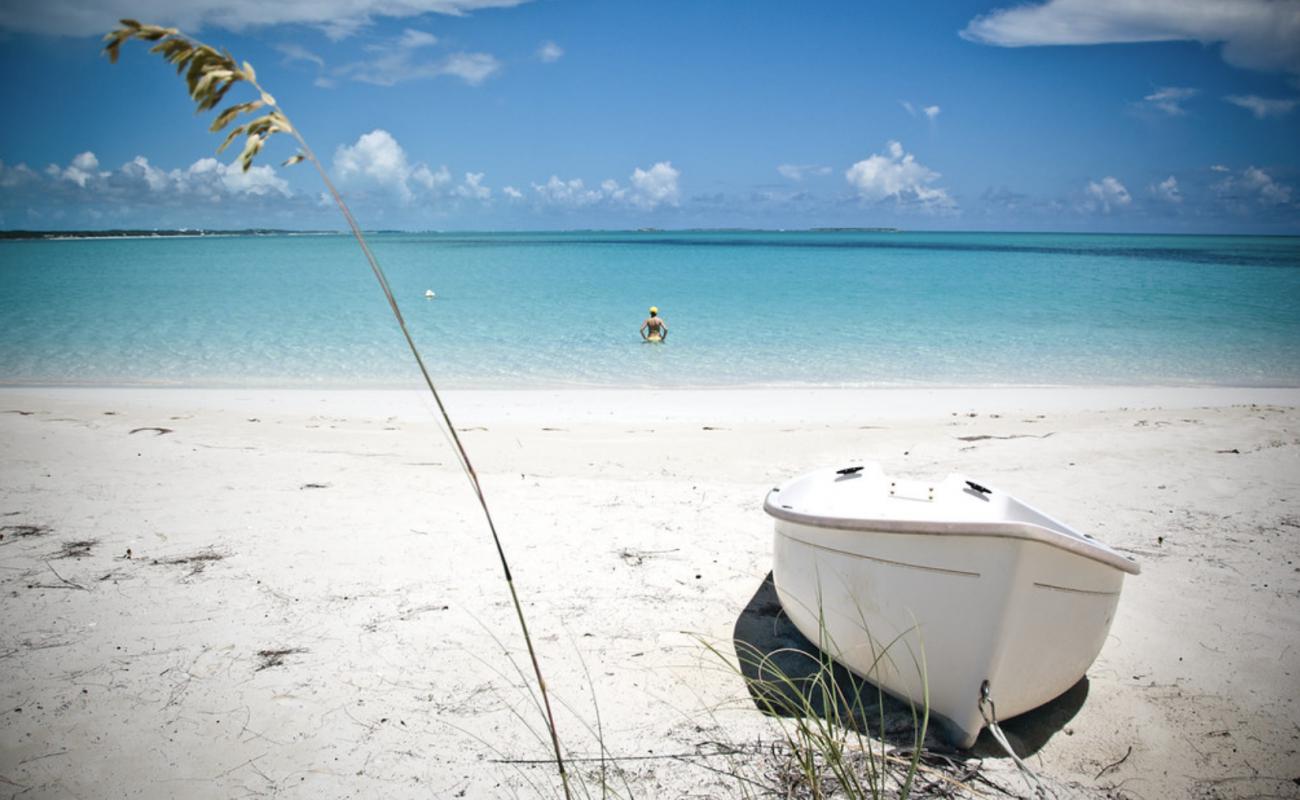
column 212, row 594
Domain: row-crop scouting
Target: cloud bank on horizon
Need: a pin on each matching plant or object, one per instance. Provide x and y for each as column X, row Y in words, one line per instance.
column 392, row 46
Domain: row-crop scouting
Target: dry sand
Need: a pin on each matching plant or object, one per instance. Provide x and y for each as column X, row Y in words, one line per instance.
column 312, row 607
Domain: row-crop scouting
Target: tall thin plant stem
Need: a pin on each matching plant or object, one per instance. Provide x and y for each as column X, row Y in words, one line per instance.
column 210, row 75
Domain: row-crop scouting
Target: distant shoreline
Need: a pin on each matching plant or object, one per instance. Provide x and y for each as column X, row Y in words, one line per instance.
column 180, row 233
column 138, row 233
column 198, row 233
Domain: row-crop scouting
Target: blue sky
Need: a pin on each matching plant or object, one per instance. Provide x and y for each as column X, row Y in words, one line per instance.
column 1072, row 115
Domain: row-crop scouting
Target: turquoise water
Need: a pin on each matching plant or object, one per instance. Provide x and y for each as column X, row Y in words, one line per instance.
column 543, row 310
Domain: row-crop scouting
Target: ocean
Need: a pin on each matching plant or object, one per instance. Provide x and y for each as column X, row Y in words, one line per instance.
column 546, row 310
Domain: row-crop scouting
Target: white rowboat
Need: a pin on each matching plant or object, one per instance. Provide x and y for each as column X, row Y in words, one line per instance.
column 942, row 589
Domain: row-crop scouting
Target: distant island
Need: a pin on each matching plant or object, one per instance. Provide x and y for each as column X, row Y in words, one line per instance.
column 127, row 233
column 856, row 230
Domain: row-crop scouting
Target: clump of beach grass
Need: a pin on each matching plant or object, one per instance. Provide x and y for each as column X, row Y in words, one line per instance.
column 825, row 720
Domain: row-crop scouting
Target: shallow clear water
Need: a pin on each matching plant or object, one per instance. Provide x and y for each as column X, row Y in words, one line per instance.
column 535, row 309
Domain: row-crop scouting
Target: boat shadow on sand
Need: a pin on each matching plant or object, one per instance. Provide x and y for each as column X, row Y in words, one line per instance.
column 781, row 668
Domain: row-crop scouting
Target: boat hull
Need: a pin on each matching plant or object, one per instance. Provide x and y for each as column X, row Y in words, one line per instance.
column 931, row 616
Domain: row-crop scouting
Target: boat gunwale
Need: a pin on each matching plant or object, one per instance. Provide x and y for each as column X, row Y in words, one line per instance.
column 1026, row 531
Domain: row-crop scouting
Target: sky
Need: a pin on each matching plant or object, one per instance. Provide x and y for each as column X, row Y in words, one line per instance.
column 1165, row 116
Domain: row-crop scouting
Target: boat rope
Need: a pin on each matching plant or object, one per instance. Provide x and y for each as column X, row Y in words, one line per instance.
column 991, row 722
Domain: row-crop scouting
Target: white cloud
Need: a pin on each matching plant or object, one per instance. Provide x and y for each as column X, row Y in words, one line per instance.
column 433, row 180
column 1108, row 195
column 898, row 175
column 139, row 169
column 376, row 155
column 1167, row 190
column 1169, row 99
column 378, row 160
column 656, row 186
column 295, row 52
column 257, row 180
column 83, row 167
column 550, row 52
column 512, row 193
column 473, row 68
column 1257, row 34
column 205, row 177
column 1219, row 168
column 473, row 188
column 412, row 39
column 339, row 18
column 1270, row 192
column 402, row 58
column 797, row 172
column 16, row 175
column 1255, row 184
column 1262, row 107
column 648, row 189
column 572, row 193
column 929, row 111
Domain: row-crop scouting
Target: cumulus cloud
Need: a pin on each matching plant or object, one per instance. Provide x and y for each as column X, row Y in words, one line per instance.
column 1107, row 195
column 797, row 172
column 430, row 179
column 339, row 18
column 1167, row 190
column 1262, row 107
column 376, row 164
column 931, row 111
column 896, row 174
column 1256, row 34
column 572, row 193
column 375, row 158
column 1170, row 99
column 140, row 181
column 550, row 52
column 512, row 193
column 17, row 175
column 1254, row 185
column 656, row 186
column 83, row 167
column 648, row 189
column 473, row 187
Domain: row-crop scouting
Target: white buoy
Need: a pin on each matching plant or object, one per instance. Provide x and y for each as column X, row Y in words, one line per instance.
column 429, row 295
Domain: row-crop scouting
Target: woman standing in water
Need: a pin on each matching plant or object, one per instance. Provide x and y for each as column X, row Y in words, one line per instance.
column 654, row 329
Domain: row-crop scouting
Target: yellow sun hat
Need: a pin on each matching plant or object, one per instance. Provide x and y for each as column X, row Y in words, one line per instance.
column 654, row 309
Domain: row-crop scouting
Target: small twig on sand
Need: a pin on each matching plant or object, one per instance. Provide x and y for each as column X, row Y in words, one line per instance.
column 77, row 549
column 1109, row 767
column 157, row 431
column 66, row 582
column 275, row 658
